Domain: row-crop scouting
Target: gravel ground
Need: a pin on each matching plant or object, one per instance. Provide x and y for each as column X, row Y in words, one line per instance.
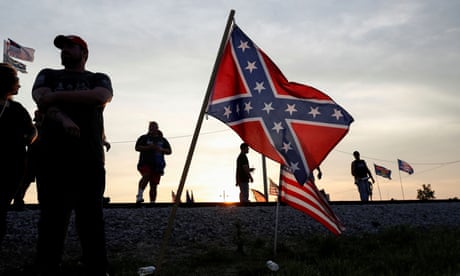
column 139, row 232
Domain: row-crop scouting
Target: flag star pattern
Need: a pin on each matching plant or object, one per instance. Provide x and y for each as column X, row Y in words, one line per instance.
column 292, row 124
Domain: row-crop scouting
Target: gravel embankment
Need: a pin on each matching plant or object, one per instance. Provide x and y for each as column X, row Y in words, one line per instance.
column 136, row 232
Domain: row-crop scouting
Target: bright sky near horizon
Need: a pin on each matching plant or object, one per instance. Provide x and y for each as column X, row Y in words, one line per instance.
column 393, row 65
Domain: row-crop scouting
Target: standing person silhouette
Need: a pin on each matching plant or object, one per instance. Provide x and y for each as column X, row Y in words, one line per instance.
column 30, row 168
column 362, row 174
column 71, row 171
column 16, row 132
column 152, row 148
column 243, row 173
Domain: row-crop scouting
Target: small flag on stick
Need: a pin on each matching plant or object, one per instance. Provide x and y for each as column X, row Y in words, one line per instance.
column 309, row 200
column 13, row 49
column 258, row 196
column 405, row 167
column 274, row 190
column 382, row 171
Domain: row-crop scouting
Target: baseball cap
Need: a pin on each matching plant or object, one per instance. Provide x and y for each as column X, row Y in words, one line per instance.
column 61, row 40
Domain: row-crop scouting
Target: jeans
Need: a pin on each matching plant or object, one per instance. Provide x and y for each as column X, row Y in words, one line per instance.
column 244, row 192
column 364, row 188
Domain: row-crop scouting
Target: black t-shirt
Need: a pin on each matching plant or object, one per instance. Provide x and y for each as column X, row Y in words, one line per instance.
column 16, row 128
column 152, row 158
column 359, row 168
column 242, row 175
column 89, row 118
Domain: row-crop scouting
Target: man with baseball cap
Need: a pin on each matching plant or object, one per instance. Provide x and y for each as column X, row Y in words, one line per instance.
column 71, row 172
column 61, row 40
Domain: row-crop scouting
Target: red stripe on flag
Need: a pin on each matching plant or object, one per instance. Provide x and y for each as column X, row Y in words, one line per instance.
column 274, row 190
column 309, row 200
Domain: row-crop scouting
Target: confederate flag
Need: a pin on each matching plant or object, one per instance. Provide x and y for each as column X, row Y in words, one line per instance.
column 293, row 124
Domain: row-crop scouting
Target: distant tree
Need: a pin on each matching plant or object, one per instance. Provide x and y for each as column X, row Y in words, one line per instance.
column 425, row 193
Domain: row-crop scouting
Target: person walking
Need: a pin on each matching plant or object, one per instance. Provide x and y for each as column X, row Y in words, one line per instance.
column 362, row 174
column 152, row 148
column 71, row 171
column 243, row 173
column 17, row 132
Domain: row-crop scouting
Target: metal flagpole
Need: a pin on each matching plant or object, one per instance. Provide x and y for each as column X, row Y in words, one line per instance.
column 400, row 181
column 264, row 172
column 276, row 222
column 378, row 187
column 172, row 216
column 277, row 215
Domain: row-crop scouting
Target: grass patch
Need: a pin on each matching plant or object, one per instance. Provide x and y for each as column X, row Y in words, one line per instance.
column 400, row 250
column 396, row 251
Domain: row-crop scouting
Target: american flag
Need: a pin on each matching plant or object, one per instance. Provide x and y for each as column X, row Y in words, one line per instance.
column 293, row 124
column 274, row 190
column 308, row 199
column 13, row 49
column 405, row 167
column 382, row 171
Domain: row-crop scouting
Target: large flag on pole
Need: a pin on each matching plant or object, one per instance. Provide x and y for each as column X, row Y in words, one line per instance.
column 308, row 199
column 405, row 167
column 382, row 171
column 13, row 49
column 293, row 124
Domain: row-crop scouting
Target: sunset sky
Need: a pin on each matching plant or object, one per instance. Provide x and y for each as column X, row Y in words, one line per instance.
column 393, row 65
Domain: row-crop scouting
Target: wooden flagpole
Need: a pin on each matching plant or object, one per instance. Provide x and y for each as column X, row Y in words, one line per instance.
column 204, row 106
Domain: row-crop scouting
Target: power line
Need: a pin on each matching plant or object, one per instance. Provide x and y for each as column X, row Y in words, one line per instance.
column 412, row 163
column 174, row 137
column 439, row 164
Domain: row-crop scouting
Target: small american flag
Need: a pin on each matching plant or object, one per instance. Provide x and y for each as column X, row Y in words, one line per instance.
column 274, row 190
column 13, row 49
column 308, row 199
column 405, row 167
